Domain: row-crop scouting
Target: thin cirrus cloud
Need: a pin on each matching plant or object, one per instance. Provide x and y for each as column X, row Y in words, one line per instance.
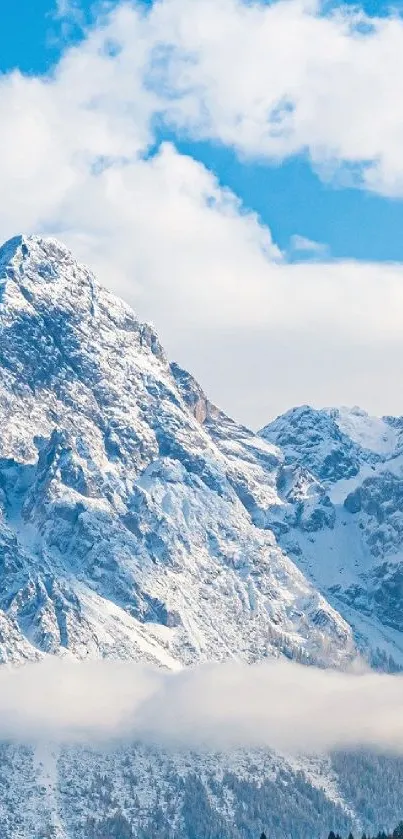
column 275, row 704
column 303, row 245
column 80, row 159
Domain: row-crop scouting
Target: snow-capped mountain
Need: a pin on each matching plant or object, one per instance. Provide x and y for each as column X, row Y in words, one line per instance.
column 125, row 526
column 342, row 519
column 137, row 520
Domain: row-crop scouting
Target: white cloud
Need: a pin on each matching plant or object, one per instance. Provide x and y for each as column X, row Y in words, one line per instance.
column 260, row 334
column 274, row 80
column 274, row 704
column 301, row 244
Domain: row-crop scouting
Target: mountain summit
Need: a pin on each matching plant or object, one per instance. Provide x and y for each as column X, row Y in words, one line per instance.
column 126, row 507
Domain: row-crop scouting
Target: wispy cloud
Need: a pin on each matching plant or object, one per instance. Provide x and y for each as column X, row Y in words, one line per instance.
column 68, row 9
column 275, row 704
column 301, row 244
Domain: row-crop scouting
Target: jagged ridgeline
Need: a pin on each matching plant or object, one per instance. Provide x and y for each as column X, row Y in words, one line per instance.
column 138, row 521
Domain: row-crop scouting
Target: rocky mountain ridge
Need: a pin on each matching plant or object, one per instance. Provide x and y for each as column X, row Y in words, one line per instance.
column 347, row 531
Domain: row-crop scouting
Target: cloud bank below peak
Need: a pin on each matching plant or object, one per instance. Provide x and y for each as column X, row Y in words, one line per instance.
column 277, row 704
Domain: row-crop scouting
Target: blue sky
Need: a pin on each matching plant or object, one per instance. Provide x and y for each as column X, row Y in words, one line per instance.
column 289, row 196
column 234, row 170
column 30, row 36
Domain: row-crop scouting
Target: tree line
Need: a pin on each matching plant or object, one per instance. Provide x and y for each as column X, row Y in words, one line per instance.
column 397, row 833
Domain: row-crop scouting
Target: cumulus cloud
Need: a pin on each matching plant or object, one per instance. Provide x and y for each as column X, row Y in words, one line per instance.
column 78, row 160
column 278, row 79
column 275, row 704
column 271, row 80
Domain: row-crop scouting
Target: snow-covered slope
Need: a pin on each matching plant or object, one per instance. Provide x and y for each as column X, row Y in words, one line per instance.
column 371, row 433
column 345, row 531
column 138, row 520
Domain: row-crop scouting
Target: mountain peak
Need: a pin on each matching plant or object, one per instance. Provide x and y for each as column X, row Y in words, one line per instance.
column 313, row 438
column 31, row 259
column 27, row 247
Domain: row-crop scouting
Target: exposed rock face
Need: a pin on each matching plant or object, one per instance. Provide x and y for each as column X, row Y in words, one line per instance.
column 193, row 395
